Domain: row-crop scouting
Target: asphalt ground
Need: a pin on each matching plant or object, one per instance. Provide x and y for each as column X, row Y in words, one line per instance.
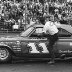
column 37, row 66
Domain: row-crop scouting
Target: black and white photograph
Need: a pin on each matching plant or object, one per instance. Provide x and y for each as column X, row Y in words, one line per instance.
column 35, row 35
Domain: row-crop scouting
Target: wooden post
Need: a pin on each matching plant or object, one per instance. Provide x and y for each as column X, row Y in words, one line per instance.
column 37, row 0
column 14, row 1
column 50, row 0
column 25, row 14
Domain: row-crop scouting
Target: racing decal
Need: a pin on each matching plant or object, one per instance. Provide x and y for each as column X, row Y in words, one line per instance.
column 65, row 51
column 45, row 50
column 34, row 48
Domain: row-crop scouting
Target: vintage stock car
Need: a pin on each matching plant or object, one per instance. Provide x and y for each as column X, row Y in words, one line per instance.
column 32, row 44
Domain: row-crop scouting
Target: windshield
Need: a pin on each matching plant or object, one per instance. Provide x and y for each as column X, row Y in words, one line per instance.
column 26, row 32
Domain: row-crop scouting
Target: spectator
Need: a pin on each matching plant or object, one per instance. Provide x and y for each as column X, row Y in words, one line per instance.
column 33, row 9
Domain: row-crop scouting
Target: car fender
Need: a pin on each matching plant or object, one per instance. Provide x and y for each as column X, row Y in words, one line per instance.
column 7, row 47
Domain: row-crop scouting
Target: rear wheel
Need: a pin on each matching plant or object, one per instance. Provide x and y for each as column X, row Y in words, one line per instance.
column 5, row 55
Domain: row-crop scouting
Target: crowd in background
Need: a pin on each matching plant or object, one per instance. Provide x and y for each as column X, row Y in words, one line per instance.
column 19, row 14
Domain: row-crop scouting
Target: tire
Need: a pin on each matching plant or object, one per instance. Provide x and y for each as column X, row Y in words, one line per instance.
column 5, row 55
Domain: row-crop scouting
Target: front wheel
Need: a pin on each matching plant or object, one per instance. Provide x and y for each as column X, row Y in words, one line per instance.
column 5, row 55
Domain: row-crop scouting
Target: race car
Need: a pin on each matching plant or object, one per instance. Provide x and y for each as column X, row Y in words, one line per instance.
column 32, row 44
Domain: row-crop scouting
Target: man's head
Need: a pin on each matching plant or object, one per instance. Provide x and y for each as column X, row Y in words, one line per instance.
column 51, row 18
column 46, row 18
column 56, row 19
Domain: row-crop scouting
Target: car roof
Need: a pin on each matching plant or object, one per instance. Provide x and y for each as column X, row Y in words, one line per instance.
column 63, row 26
column 38, row 25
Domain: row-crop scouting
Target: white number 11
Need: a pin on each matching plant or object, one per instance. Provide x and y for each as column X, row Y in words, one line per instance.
column 45, row 50
column 34, row 50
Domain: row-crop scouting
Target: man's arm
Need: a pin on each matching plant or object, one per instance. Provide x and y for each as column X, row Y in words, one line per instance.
column 58, row 25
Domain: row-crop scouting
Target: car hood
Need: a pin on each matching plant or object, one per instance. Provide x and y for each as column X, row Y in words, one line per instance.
column 10, row 38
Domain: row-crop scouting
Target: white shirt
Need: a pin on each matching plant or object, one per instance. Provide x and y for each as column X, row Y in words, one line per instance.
column 50, row 28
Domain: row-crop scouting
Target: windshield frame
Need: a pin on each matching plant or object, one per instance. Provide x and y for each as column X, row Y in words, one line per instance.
column 26, row 32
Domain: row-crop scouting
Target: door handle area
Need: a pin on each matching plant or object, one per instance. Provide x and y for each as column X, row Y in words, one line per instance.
column 18, row 42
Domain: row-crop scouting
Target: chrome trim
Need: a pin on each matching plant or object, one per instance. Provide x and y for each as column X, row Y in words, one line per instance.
column 5, row 45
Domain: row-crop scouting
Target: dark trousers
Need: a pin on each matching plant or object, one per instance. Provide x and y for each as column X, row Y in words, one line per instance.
column 52, row 39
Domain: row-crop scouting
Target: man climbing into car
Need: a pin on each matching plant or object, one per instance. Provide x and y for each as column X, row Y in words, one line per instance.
column 52, row 31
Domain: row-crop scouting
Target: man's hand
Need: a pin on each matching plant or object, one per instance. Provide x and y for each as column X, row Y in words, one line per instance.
column 43, row 34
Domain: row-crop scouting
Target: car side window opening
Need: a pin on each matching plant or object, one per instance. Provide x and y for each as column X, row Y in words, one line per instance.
column 37, row 33
column 63, row 33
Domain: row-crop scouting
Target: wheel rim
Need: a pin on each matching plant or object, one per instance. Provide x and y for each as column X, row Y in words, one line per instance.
column 3, row 53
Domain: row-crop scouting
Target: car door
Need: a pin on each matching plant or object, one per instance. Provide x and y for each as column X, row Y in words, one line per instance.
column 36, row 43
column 64, row 43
